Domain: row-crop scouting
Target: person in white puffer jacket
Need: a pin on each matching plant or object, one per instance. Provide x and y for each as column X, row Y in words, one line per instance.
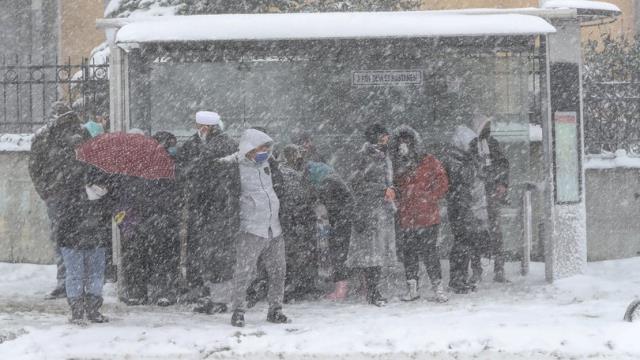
column 260, row 233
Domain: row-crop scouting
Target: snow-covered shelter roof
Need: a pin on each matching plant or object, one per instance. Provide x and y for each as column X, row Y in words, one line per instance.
column 581, row 5
column 309, row 26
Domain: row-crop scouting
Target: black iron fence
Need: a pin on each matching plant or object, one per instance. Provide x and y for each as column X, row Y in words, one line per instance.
column 612, row 116
column 29, row 88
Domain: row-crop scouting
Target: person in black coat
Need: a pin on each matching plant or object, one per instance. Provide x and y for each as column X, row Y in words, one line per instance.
column 495, row 166
column 334, row 194
column 148, row 221
column 466, row 209
column 84, row 248
column 298, row 220
column 210, row 255
column 58, row 177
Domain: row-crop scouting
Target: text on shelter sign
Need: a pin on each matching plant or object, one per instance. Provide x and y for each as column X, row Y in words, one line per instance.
column 386, row 77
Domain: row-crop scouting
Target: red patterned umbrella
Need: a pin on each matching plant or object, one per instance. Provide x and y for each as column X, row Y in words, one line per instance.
column 128, row 154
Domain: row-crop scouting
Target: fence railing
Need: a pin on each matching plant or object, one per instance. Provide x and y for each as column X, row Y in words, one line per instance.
column 28, row 88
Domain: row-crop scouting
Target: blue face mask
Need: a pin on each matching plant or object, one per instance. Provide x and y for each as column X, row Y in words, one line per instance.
column 173, row 151
column 262, row 157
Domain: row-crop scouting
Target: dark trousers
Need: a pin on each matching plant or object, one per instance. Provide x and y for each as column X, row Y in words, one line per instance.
column 496, row 241
column 372, row 276
column 56, row 209
column 150, row 263
column 339, row 250
column 467, row 250
column 302, row 263
column 421, row 245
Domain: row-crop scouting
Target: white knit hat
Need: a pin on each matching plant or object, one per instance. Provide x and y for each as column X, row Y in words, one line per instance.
column 208, row 118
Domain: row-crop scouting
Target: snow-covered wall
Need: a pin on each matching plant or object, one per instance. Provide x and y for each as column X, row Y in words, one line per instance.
column 24, row 226
column 15, row 142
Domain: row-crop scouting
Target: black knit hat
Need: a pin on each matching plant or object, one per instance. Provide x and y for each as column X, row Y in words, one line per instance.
column 374, row 131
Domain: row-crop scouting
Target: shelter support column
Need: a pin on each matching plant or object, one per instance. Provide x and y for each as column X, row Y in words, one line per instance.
column 119, row 117
column 565, row 225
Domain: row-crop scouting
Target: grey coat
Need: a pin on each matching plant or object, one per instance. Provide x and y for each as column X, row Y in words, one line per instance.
column 373, row 238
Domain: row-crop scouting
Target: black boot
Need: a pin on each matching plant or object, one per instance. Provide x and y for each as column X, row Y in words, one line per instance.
column 77, row 310
column 92, row 305
column 460, row 287
column 207, row 306
column 57, row 293
column 276, row 316
column 375, row 298
column 237, row 319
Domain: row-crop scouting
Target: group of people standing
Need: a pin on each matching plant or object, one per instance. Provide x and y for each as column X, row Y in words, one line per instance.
column 240, row 212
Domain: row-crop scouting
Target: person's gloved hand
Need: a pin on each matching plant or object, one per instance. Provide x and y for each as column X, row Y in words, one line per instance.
column 119, row 217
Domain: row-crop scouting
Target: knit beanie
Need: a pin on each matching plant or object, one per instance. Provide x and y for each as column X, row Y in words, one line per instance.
column 318, row 172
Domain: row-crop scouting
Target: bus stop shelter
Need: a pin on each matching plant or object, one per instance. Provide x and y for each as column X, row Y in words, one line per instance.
column 331, row 74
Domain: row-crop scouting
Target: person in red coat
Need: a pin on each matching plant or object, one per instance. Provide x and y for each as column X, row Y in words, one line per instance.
column 421, row 182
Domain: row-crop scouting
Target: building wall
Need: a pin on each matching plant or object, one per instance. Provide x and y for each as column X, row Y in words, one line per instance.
column 625, row 25
column 24, row 226
column 78, row 33
column 28, row 28
column 613, row 210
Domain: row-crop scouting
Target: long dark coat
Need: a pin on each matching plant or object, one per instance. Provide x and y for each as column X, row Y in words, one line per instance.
column 204, row 195
column 57, row 175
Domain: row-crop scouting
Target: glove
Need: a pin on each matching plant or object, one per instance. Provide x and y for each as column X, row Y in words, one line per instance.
column 119, row 218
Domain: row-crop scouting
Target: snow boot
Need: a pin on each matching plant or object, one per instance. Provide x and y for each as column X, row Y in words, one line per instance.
column 340, row 291
column 276, row 316
column 92, row 305
column 438, row 291
column 77, row 310
column 207, row 306
column 237, row 319
column 375, row 298
column 459, row 287
column 412, row 291
column 57, row 293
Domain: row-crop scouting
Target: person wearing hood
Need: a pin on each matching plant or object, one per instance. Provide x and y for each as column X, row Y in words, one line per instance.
column 421, row 182
column 58, row 177
column 298, row 221
column 259, row 231
column 209, row 256
column 372, row 244
column 495, row 167
column 332, row 192
column 466, row 208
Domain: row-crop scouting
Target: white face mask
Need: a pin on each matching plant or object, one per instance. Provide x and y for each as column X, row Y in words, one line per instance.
column 403, row 149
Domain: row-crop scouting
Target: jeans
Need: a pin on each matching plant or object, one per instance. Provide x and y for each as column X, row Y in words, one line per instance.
column 85, row 271
column 55, row 211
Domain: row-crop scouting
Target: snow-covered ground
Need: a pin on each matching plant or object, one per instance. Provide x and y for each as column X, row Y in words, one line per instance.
column 574, row 318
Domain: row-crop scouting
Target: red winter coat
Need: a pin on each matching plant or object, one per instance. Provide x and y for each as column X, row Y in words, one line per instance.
column 420, row 191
